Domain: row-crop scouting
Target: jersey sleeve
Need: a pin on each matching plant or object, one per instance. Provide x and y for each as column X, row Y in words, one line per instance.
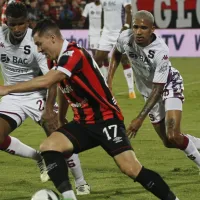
column 70, row 62
column 85, row 11
column 42, row 62
column 126, row 2
column 162, row 65
column 119, row 43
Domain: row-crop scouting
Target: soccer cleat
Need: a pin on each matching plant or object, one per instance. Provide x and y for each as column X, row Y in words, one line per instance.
column 83, row 189
column 44, row 177
column 132, row 95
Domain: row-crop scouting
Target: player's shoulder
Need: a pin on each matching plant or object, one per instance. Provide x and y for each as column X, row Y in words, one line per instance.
column 28, row 35
column 89, row 4
column 125, row 35
column 158, row 46
column 159, row 43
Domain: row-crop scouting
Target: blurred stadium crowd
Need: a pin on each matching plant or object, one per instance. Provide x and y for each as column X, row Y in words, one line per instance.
column 66, row 13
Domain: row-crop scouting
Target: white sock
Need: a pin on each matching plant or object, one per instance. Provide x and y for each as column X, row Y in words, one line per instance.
column 74, row 165
column 195, row 140
column 69, row 194
column 18, row 148
column 128, row 73
column 192, row 152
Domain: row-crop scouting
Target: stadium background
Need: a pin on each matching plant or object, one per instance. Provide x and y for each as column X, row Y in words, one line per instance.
column 20, row 177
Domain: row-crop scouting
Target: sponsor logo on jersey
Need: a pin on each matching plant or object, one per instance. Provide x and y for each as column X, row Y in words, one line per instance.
column 144, row 59
column 16, row 69
column 109, row 3
column 14, row 59
column 67, row 89
column 17, row 60
column 165, row 57
column 2, row 45
column 79, row 104
column 4, row 58
column 164, row 68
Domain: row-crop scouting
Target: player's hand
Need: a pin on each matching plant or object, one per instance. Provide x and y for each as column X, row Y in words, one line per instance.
column 133, row 127
column 49, row 121
column 3, row 90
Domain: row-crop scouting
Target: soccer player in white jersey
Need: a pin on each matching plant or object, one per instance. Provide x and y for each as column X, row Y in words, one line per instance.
column 93, row 11
column 112, row 25
column 20, row 61
column 159, row 83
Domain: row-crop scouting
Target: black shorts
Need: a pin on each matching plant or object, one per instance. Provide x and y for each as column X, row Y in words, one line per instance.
column 110, row 134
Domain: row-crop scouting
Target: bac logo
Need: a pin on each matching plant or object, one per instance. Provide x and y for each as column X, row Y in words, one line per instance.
column 4, row 58
column 15, row 60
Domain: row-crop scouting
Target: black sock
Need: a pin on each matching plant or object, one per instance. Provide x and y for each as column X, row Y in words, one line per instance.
column 57, row 170
column 153, row 182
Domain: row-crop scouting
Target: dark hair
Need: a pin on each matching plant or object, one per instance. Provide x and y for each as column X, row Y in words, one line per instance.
column 16, row 9
column 45, row 25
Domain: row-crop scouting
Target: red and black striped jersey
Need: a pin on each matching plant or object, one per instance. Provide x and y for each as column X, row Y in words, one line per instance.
column 84, row 87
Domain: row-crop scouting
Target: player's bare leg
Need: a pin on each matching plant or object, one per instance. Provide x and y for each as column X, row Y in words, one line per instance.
column 14, row 146
column 99, row 58
column 161, row 131
column 128, row 73
column 53, row 149
column 73, row 162
column 170, row 133
column 149, row 179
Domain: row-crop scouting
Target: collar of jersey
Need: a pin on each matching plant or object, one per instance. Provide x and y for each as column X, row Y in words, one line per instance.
column 64, row 47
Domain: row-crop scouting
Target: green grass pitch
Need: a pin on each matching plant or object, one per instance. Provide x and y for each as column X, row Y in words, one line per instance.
column 20, row 177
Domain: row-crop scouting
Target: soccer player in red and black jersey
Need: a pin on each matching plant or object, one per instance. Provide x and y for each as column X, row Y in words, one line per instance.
column 97, row 117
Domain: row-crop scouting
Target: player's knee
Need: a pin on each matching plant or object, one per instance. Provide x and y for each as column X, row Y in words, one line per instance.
column 174, row 137
column 130, row 170
column 48, row 145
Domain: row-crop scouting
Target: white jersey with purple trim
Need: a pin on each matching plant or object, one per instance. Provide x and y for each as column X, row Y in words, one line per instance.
column 151, row 65
column 113, row 14
column 93, row 11
column 20, row 62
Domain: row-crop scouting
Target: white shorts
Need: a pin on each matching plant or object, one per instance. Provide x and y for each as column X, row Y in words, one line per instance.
column 107, row 41
column 158, row 111
column 93, row 42
column 21, row 107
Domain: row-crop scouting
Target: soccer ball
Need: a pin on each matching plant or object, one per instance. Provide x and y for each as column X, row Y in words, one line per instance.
column 45, row 194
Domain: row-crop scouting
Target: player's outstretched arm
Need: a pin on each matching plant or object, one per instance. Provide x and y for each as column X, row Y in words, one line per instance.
column 157, row 90
column 41, row 82
column 49, row 119
column 114, row 62
column 62, row 108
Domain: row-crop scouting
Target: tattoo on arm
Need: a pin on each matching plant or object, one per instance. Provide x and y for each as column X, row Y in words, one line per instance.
column 170, row 123
column 152, row 100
